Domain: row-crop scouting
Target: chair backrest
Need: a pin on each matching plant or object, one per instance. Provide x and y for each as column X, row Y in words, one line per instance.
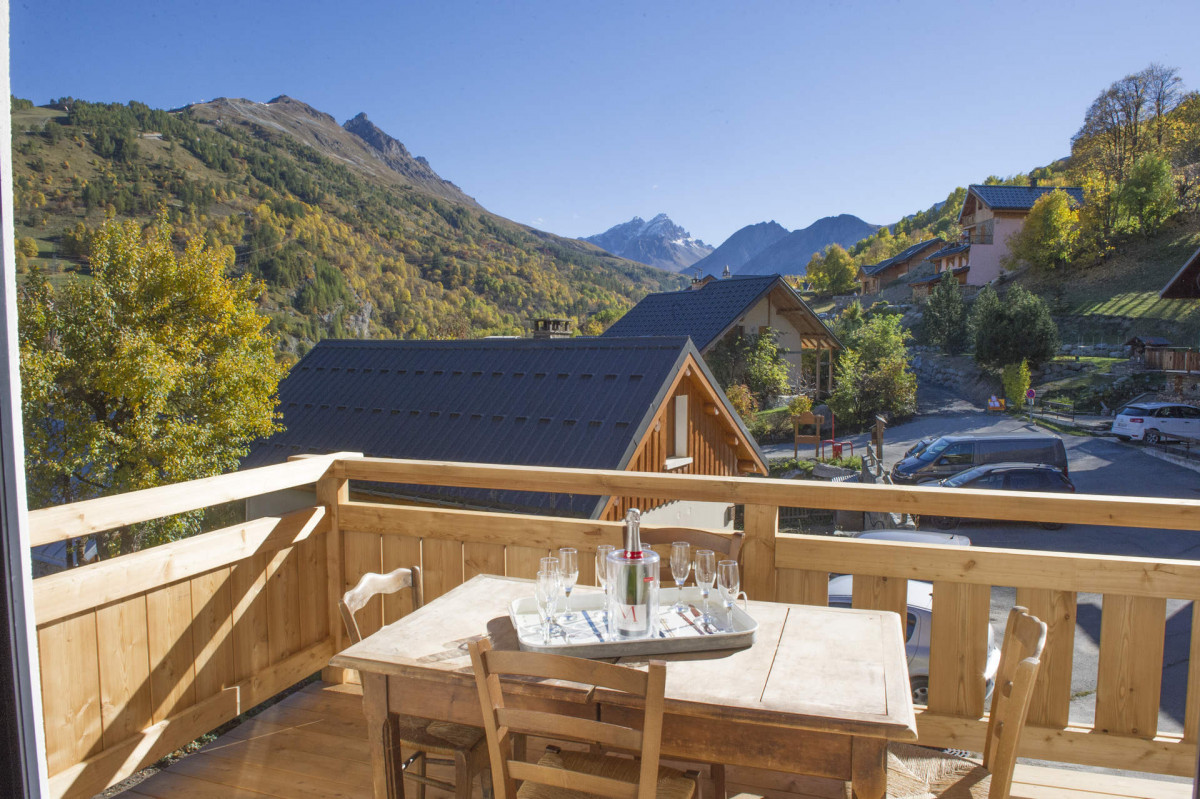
column 372, row 585
column 1020, row 659
column 501, row 722
column 726, row 545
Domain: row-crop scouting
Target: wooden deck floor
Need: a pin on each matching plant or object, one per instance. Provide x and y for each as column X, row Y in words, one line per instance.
column 313, row 745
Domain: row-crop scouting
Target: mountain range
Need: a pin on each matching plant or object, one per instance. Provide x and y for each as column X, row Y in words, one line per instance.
column 350, row 233
column 659, row 242
column 767, row 248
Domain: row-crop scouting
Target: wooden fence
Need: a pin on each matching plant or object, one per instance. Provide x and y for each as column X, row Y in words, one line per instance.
column 1172, row 359
column 145, row 652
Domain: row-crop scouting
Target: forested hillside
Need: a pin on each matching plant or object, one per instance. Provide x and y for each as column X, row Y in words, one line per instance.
column 351, row 235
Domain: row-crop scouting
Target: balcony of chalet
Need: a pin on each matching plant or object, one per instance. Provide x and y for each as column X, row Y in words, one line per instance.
column 144, row 653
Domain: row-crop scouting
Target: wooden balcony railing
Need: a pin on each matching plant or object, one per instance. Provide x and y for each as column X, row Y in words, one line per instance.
column 143, row 653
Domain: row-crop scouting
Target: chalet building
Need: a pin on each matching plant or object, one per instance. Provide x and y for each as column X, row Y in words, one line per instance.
column 712, row 310
column 990, row 214
column 873, row 277
column 1186, row 283
column 952, row 258
column 634, row 404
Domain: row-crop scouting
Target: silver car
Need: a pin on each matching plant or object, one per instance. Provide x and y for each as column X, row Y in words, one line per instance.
column 1154, row 421
column 918, row 629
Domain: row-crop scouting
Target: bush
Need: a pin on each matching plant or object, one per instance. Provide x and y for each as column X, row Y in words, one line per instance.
column 944, row 323
column 799, row 406
column 1016, row 383
column 873, row 374
column 742, row 401
column 1019, row 329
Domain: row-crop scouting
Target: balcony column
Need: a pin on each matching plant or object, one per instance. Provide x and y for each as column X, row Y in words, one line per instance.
column 333, row 492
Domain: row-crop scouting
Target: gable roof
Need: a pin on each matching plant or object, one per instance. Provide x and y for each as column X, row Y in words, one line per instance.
column 705, row 314
column 901, row 257
column 572, row 402
column 929, row 280
column 1186, row 283
column 949, row 249
column 1018, row 198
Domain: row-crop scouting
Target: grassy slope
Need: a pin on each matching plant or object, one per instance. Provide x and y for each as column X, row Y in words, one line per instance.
column 1118, row 298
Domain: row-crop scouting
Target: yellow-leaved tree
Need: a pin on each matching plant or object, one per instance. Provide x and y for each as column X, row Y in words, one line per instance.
column 153, row 370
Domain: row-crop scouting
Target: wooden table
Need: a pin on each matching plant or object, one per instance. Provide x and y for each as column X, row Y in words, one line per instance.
column 821, row 691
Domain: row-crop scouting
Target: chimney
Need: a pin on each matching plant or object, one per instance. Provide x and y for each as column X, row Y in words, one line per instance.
column 1033, row 183
column 726, row 274
column 551, row 328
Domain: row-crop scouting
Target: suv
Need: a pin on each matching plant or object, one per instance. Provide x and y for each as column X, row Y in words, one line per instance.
column 918, row 627
column 1007, row 477
column 1154, row 421
column 949, row 455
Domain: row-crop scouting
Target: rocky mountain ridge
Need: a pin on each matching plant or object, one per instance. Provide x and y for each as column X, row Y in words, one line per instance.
column 659, row 242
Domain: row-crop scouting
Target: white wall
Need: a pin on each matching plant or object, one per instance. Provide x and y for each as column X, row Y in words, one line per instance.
column 707, row 515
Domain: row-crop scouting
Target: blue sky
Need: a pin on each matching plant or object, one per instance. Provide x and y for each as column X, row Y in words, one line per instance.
column 575, row 116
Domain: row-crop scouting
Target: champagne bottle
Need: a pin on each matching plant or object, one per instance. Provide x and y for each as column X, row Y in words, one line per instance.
column 633, row 612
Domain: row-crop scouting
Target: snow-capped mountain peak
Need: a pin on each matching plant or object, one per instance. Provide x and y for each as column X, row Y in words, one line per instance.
column 659, row 242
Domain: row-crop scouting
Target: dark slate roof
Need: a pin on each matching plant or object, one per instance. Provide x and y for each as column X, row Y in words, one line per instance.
column 907, row 253
column 1149, row 341
column 702, row 314
column 949, row 250
column 1186, row 283
column 1020, row 197
column 578, row 402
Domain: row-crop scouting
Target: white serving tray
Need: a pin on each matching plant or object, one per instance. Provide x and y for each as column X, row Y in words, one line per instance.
column 586, row 637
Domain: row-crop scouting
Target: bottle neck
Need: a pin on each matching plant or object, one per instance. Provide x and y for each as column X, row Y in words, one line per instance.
column 633, row 534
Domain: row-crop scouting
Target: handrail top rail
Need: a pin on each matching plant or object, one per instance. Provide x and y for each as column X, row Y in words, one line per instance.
column 1150, row 512
column 62, row 522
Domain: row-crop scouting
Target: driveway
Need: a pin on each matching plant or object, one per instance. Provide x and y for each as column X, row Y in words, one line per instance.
column 1097, row 466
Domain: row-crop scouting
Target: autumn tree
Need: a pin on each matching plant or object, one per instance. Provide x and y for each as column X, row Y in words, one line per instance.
column 1147, row 197
column 836, row 271
column 155, row 370
column 1049, row 235
column 873, row 374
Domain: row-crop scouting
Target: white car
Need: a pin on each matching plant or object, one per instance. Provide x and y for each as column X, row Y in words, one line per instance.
column 917, row 537
column 918, row 628
column 1153, row 422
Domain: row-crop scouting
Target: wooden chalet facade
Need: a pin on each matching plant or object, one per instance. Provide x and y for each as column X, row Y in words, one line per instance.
column 635, row 404
column 990, row 215
column 713, row 310
column 952, row 258
column 874, row 277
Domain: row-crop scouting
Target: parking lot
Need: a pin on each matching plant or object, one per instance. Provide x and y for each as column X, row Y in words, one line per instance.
column 1097, row 466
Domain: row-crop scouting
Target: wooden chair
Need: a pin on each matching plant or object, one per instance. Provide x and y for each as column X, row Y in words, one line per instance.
column 915, row 771
column 459, row 744
column 562, row 774
column 727, row 547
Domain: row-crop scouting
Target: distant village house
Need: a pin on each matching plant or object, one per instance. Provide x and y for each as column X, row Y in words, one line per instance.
column 873, row 277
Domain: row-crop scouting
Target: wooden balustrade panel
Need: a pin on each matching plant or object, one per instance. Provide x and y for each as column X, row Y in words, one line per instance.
column 401, row 551
column 124, row 661
column 172, row 659
column 70, row 690
column 881, row 593
column 247, row 583
column 1129, row 678
column 523, row 561
column 363, row 553
column 758, row 551
column 800, row 587
column 283, row 604
column 958, row 648
column 441, row 566
column 314, row 590
column 212, row 633
column 482, row 559
column 1050, row 705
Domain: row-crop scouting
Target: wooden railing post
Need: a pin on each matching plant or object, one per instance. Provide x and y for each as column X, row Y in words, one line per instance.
column 333, row 492
column 758, row 553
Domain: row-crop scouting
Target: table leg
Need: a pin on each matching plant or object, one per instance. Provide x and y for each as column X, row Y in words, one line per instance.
column 868, row 767
column 384, row 735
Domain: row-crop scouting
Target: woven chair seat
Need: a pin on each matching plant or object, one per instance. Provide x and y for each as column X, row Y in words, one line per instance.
column 942, row 775
column 672, row 784
column 438, row 737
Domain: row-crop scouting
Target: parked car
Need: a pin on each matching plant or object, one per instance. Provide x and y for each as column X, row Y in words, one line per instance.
column 1006, row 477
column 916, row 537
column 918, row 628
column 1153, row 422
column 920, row 446
column 950, row 455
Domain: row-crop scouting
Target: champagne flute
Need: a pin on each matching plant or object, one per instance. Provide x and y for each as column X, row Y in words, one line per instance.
column 602, row 578
column 681, row 564
column 729, row 582
column 706, row 573
column 569, row 569
column 546, row 590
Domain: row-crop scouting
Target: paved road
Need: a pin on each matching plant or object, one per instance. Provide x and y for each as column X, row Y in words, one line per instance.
column 1097, row 466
